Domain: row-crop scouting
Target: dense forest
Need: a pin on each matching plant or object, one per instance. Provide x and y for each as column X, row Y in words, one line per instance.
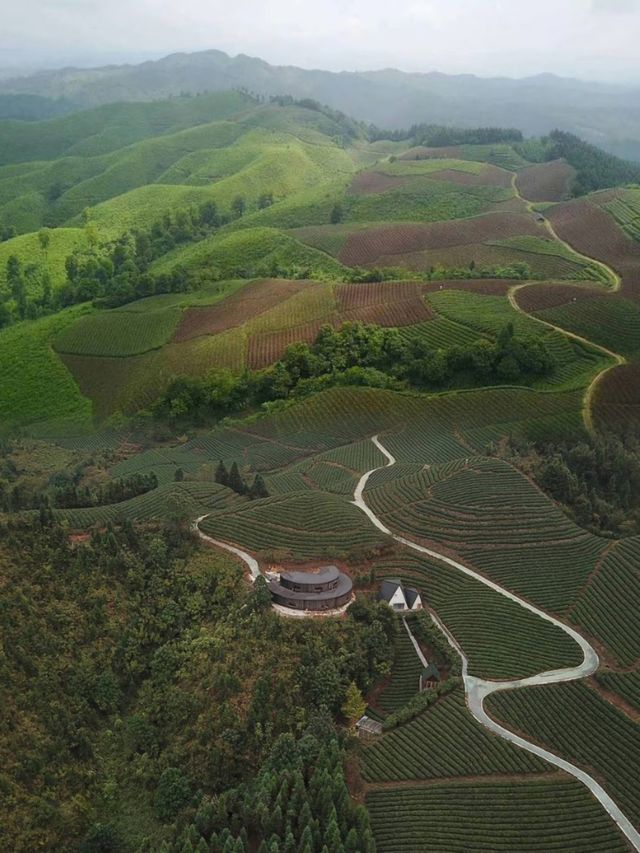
column 596, row 169
column 597, row 478
column 140, row 674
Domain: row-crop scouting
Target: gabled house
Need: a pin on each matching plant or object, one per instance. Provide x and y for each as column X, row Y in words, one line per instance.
column 400, row 597
column 429, row 677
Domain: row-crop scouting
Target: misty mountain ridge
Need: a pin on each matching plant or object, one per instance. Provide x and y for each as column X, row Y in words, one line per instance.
column 605, row 114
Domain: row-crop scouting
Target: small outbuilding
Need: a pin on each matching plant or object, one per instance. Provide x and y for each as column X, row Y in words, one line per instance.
column 326, row 588
column 368, row 728
column 430, row 677
column 400, row 597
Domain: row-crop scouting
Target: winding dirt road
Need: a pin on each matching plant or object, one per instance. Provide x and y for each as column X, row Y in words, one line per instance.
column 477, row 689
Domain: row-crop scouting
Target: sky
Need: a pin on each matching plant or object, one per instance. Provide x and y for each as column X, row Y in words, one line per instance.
column 590, row 39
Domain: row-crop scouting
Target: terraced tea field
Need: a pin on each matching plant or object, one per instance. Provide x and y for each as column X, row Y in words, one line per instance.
column 574, row 721
column 625, row 684
column 589, row 228
column 494, row 633
column 608, row 608
column 303, row 525
column 405, row 674
column 492, row 816
column 442, row 742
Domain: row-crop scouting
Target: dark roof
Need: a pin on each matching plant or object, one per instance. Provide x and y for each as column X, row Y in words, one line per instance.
column 344, row 586
column 388, row 588
column 430, row 673
column 325, row 574
column 411, row 594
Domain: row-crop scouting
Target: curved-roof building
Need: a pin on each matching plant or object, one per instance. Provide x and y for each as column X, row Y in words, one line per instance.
column 327, row 588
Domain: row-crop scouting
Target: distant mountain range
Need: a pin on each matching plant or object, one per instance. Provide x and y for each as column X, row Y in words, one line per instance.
column 604, row 114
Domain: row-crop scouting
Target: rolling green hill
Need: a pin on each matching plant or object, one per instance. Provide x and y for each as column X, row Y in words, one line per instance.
column 209, row 307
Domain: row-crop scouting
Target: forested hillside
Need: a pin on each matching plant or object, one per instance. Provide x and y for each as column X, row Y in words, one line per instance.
column 387, row 98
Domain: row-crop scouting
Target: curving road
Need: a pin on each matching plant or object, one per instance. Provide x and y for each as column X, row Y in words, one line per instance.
column 251, row 562
column 477, row 689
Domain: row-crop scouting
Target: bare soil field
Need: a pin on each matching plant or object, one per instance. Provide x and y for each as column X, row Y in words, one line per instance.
column 546, row 181
column 592, row 231
column 483, row 286
column 383, row 303
column 451, row 152
column 252, row 300
column 617, row 398
column 541, row 296
column 370, row 182
column 490, row 176
column 374, row 245
column 266, row 348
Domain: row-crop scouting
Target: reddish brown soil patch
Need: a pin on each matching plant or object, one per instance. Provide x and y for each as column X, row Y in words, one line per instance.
column 592, row 231
column 616, row 402
column 253, row 299
column 451, row 152
column 383, row 303
column 538, row 297
column 366, row 183
column 546, row 181
column 375, row 245
column 482, row 286
column 266, row 348
column 489, row 176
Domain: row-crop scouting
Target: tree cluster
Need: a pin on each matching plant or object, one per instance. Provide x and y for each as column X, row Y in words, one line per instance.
column 234, row 480
column 597, row 478
column 596, row 169
column 297, row 803
column 438, row 136
column 28, row 292
column 66, row 493
column 356, row 354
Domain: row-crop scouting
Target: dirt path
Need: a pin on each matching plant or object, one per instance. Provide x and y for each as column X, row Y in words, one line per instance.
column 478, row 689
column 612, row 276
column 615, row 283
column 250, row 561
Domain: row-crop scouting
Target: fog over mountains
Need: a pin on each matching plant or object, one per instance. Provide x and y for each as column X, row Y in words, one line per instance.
column 605, row 114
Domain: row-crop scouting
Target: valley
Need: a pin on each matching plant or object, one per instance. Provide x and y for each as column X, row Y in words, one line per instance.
column 240, row 336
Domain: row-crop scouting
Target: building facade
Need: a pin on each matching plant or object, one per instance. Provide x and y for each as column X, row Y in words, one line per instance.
column 325, row 589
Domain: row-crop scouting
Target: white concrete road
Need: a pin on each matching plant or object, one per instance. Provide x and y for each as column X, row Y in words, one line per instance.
column 252, row 563
column 477, row 689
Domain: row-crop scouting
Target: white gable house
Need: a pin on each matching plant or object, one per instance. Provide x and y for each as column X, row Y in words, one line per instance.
column 400, row 597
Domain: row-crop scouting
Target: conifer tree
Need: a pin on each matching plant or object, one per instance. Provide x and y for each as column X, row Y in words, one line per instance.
column 222, row 475
column 235, row 480
column 258, row 488
column 354, row 705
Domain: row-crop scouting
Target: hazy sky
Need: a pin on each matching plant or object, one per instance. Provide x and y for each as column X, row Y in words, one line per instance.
column 596, row 39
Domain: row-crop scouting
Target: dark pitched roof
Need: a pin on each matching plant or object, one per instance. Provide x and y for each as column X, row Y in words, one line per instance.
column 411, row 594
column 388, row 588
column 430, row 673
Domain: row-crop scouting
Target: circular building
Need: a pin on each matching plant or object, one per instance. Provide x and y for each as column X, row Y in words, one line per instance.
column 327, row 588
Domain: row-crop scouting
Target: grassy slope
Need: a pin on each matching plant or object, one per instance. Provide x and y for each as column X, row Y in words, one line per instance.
column 36, row 389
column 27, row 249
column 113, row 126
